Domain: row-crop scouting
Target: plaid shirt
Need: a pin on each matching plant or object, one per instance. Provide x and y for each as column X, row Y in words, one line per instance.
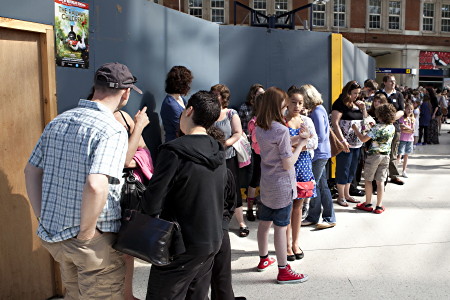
column 245, row 114
column 82, row 141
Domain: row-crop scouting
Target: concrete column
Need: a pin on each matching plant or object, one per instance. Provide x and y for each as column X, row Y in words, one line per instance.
column 411, row 60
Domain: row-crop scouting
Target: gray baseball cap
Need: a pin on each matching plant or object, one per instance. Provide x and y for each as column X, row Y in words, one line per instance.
column 116, row 76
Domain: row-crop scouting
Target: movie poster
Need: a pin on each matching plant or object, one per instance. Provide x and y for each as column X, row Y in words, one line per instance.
column 72, row 33
column 434, row 60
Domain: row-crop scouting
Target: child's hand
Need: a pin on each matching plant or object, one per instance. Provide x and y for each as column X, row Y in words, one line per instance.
column 304, row 132
column 355, row 128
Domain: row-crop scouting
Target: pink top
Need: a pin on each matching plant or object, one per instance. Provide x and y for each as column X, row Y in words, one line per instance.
column 145, row 164
column 409, row 123
column 252, row 132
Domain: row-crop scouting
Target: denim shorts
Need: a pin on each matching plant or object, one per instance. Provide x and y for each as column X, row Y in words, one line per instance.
column 405, row 148
column 280, row 217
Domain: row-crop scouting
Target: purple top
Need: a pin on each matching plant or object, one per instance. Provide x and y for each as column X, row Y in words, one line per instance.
column 319, row 116
column 278, row 186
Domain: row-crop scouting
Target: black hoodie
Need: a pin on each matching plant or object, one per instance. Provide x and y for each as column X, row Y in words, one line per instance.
column 188, row 187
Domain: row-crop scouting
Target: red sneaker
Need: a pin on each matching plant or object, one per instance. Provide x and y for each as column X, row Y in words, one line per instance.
column 364, row 206
column 264, row 263
column 379, row 209
column 287, row 275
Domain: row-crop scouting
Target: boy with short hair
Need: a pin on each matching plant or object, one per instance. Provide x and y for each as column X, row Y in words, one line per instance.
column 377, row 161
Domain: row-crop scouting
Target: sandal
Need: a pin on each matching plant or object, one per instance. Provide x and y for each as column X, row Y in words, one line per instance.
column 342, row 202
column 352, row 200
column 243, row 231
column 299, row 255
column 364, row 206
column 379, row 209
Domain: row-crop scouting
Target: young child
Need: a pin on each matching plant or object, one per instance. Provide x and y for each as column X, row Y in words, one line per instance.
column 407, row 123
column 278, row 182
column 377, row 161
column 256, row 174
column 299, row 125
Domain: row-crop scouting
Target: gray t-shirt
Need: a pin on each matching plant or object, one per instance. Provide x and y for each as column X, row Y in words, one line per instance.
column 225, row 126
column 278, row 186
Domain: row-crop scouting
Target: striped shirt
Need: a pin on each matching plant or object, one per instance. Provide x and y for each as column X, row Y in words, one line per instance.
column 82, row 141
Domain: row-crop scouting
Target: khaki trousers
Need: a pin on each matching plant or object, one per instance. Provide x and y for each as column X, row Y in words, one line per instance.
column 90, row 269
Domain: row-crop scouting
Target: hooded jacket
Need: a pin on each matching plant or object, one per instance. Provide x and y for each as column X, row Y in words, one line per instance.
column 188, row 187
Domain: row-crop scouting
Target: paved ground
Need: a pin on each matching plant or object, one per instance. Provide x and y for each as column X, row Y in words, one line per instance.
column 403, row 253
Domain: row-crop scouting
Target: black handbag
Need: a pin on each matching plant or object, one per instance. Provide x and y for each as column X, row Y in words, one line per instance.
column 151, row 239
column 132, row 192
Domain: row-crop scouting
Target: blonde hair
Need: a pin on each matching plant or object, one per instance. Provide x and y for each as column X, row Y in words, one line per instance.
column 311, row 96
column 411, row 115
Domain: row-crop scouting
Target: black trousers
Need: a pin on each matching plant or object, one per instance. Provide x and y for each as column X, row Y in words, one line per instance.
column 187, row 277
column 221, row 287
column 423, row 132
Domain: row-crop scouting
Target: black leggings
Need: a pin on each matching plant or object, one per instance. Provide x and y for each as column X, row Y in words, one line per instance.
column 233, row 165
column 256, row 176
column 423, row 131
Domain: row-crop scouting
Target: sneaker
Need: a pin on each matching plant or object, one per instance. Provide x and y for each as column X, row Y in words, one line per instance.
column 364, row 206
column 325, row 225
column 305, row 210
column 404, row 174
column 379, row 209
column 307, row 223
column 287, row 275
column 264, row 263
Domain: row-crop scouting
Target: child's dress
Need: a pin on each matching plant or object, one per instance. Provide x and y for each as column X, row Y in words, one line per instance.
column 303, row 166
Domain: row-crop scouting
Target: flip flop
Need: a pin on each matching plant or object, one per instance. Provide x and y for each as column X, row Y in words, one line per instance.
column 342, row 202
column 352, row 200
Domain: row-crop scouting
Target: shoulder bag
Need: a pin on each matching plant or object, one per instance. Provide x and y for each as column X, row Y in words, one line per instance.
column 336, row 145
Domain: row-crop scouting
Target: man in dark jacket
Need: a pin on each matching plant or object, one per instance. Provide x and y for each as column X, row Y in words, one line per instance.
column 188, row 187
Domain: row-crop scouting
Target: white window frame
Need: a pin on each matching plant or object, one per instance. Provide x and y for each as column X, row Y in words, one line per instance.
column 281, row 11
column 432, row 18
column 442, row 18
column 335, row 13
column 196, row 8
column 207, row 10
column 323, row 13
column 399, row 15
column 217, row 9
column 263, row 11
column 371, row 14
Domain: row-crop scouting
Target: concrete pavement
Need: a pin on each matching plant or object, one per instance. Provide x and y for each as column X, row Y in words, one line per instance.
column 403, row 253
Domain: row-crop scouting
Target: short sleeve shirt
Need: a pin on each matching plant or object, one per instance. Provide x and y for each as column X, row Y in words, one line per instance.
column 82, row 141
column 278, row 186
column 381, row 135
column 349, row 117
column 225, row 126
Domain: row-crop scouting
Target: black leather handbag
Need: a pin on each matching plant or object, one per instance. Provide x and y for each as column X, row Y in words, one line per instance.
column 151, row 239
column 132, row 192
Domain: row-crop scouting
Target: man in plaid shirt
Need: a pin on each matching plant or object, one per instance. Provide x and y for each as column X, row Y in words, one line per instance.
column 72, row 180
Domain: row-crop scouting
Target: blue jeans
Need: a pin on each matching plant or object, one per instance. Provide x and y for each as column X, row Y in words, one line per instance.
column 346, row 164
column 323, row 198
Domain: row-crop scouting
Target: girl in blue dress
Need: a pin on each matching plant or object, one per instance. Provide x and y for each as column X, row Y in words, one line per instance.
column 303, row 127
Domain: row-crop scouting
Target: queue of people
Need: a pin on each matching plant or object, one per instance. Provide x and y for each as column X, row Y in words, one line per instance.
column 75, row 172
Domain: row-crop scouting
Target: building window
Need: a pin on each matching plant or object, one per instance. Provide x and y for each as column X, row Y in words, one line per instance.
column 445, row 18
column 218, row 11
column 394, row 15
column 281, row 7
column 318, row 15
column 375, row 14
column 339, row 13
column 428, row 17
column 195, row 8
column 260, row 6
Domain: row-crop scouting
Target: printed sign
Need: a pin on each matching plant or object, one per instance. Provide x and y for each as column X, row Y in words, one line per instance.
column 433, row 60
column 72, row 33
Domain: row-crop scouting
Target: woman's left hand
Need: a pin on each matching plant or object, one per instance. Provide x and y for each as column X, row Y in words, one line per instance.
column 361, row 105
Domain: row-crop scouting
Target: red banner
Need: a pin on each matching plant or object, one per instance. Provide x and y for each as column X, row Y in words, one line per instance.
column 433, row 60
column 73, row 3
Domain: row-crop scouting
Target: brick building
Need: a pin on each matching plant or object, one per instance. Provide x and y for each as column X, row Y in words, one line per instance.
column 403, row 34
